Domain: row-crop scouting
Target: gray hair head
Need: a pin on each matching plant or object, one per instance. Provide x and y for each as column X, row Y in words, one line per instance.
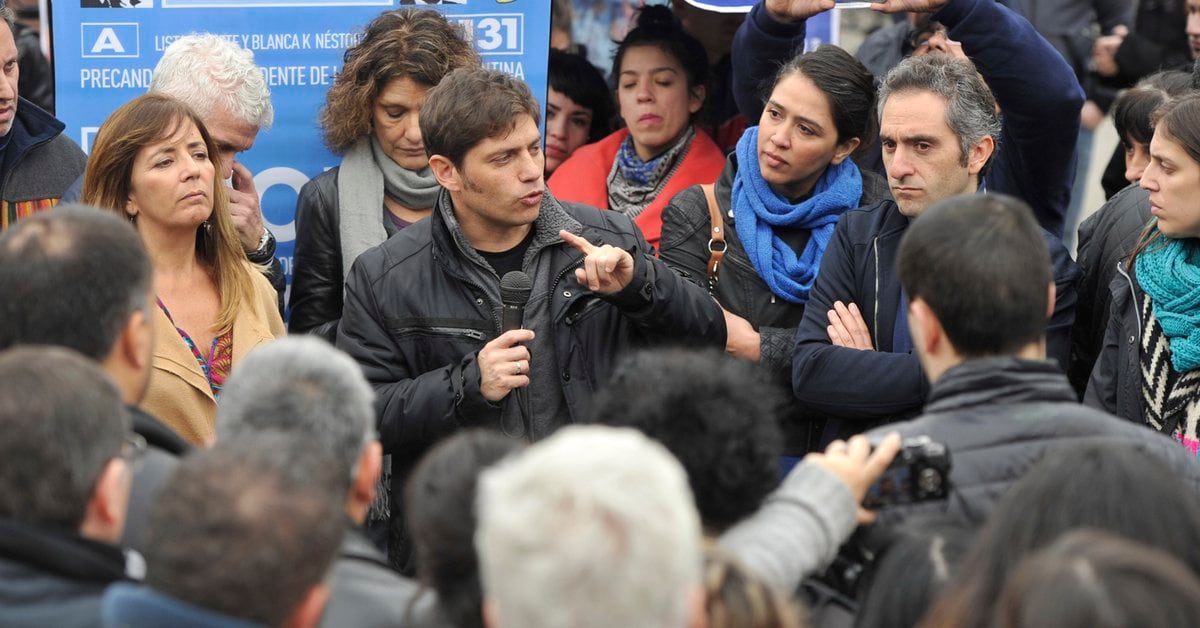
column 205, row 71
column 970, row 106
column 592, row 527
column 301, row 385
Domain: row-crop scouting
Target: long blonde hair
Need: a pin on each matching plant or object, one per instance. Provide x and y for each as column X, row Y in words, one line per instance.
column 106, row 184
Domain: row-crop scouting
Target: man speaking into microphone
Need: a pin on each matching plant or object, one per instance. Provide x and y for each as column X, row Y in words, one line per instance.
column 423, row 311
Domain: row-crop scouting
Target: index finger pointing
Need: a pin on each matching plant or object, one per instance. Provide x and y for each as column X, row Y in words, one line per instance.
column 578, row 242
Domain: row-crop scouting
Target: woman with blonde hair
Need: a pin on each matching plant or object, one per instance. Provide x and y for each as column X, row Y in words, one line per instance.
column 384, row 182
column 152, row 163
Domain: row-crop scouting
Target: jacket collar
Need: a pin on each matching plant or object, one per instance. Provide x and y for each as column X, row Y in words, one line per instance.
column 172, row 354
column 449, row 239
column 998, row 381
column 61, row 552
column 134, row 607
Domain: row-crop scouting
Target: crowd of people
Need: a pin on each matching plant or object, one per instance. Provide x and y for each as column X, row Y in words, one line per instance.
column 824, row 360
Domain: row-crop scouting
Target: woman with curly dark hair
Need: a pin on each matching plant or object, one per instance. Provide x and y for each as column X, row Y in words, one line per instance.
column 384, row 182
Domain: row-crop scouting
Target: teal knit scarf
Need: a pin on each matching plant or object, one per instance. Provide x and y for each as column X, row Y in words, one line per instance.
column 1169, row 271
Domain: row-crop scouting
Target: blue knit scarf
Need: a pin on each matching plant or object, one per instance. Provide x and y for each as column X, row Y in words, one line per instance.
column 1169, row 271
column 757, row 209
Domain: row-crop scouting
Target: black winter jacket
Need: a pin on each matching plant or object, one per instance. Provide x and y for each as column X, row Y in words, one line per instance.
column 999, row 416
column 860, row 267
column 415, row 324
column 1105, row 239
column 1116, row 382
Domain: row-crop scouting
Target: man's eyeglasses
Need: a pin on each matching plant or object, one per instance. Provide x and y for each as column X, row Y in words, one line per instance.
column 133, row 450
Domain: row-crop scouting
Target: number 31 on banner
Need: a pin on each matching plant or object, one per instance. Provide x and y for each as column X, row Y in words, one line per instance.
column 495, row 33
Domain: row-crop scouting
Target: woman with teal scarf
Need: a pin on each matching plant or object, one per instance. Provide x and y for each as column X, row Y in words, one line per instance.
column 779, row 197
column 1149, row 366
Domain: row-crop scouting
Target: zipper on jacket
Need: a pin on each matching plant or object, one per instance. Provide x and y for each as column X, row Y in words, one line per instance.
column 875, row 328
column 1137, row 307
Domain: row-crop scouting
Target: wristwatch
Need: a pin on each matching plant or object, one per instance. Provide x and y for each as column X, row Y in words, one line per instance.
column 265, row 250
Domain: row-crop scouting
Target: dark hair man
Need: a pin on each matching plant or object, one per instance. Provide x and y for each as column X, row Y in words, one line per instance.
column 422, row 313
column 304, row 387
column 979, row 284
column 242, row 532
column 716, row 414
column 37, row 162
column 940, row 133
column 79, row 278
column 64, row 485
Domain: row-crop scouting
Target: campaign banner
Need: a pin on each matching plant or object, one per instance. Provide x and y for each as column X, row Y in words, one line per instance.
column 105, row 57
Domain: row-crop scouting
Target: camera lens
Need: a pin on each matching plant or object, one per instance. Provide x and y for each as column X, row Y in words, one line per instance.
column 929, row 481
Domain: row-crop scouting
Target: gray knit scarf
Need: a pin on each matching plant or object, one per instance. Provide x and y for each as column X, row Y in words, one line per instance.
column 366, row 174
column 633, row 184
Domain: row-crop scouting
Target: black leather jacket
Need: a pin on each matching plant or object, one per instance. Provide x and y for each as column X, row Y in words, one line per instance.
column 316, row 299
column 317, row 284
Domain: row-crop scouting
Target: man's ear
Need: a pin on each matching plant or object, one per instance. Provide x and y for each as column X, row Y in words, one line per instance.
column 926, row 329
column 366, row 473
column 104, row 517
column 307, row 613
column 1052, row 294
column 980, row 153
column 135, row 344
column 844, row 149
column 446, row 173
column 491, row 615
column 697, row 608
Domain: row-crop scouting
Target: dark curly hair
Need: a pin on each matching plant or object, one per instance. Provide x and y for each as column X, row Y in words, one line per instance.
column 657, row 26
column 418, row 44
column 716, row 414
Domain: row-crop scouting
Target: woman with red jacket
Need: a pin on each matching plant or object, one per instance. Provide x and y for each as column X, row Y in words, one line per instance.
column 660, row 72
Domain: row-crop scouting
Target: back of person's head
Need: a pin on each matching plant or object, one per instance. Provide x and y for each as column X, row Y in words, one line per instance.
column 576, row 78
column 716, row 414
column 920, row 559
column 71, row 277
column 1089, row 579
column 980, row 263
column 1118, row 488
column 418, row 44
column 970, row 105
column 302, row 386
column 847, row 84
column 658, row 26
column 62, row 429
column 592, row 527
column 440, row 506
column 248, row 528
column 470, row 105
column 735, row 598
column 209, row 73
column 1134, row 108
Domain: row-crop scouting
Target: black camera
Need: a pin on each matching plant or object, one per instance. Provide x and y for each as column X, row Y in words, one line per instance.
column 919, row 473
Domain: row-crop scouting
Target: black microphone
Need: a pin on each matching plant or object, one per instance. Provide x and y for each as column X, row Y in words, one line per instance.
column 515, row 287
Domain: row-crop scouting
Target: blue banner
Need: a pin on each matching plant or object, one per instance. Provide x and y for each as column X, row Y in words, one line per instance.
column 103, row 58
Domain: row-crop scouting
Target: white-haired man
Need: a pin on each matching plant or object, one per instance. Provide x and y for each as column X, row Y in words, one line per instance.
column 594, row 526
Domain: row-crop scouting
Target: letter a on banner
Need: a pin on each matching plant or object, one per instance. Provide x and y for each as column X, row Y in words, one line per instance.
column 108, row 41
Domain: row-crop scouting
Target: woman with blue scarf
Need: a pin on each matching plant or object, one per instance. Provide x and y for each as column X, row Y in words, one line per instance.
column 1149, row 366
column 779, row 197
